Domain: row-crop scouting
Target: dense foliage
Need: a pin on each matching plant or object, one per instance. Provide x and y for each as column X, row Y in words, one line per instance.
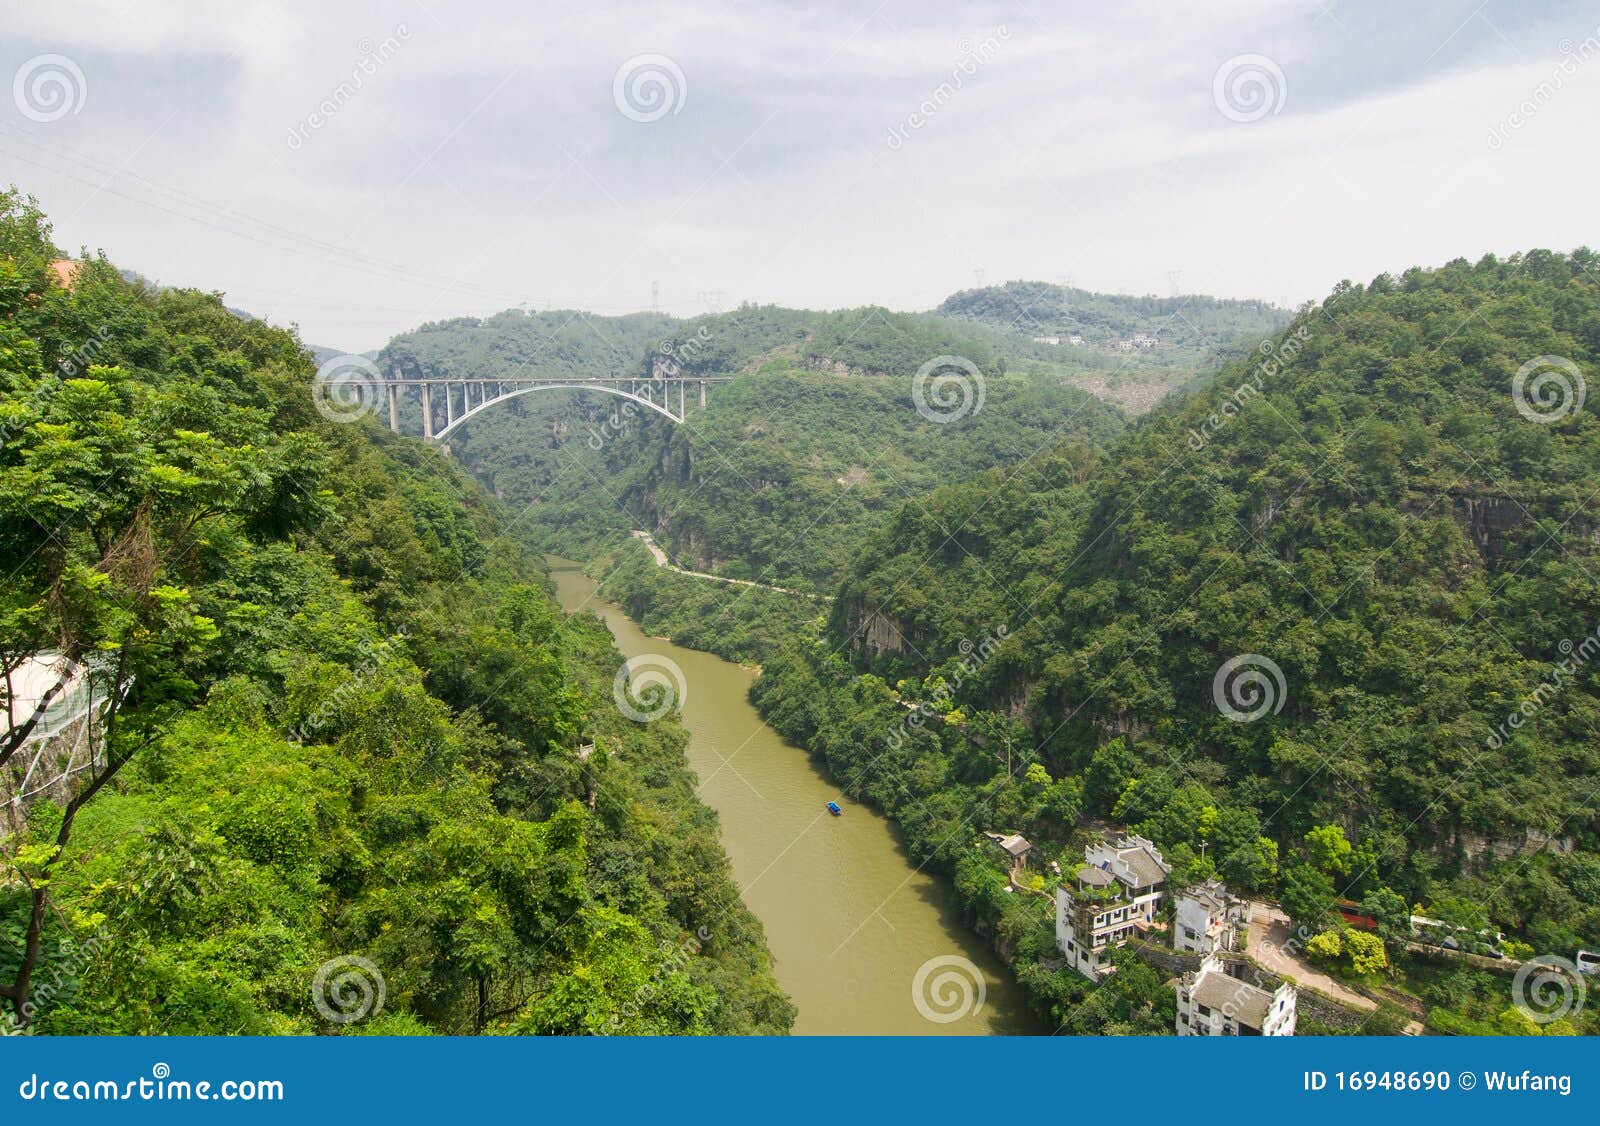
column 1364, row 505
column 346, row 720
column 738, row 623
column 776, row 481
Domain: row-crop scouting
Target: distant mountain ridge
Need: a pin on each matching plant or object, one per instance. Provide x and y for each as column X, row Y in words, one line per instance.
column 1041, row 309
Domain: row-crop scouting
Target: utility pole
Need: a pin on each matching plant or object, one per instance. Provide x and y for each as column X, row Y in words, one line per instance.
column 655, row 297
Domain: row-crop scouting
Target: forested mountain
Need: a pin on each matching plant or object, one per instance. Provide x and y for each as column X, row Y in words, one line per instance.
column 817, row 437
column 346, row 733
column 1184, row 321
column 1131, row 350
column 1386, row 520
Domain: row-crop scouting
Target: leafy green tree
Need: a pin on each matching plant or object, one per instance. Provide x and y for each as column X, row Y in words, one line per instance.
column 1330, row 850
column 1393, row 916
column 1308, row 895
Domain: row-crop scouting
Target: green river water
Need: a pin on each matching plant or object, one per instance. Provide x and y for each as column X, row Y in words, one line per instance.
column 850, row 920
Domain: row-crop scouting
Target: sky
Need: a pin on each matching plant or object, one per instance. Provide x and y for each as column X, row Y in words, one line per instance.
column 358, row 169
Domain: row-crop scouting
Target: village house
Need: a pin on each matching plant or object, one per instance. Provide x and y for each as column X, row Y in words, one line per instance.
column 1209, row 918
column 1213, row 1003
column 1047, row 340
column 1116, row 895
column 1014, row 845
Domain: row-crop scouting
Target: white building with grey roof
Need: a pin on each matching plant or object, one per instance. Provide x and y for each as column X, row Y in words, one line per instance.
column 1115, row 896
column 1211, row 1002
column 1208, row 918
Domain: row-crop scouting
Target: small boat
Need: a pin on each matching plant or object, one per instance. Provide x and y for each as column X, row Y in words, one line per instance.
column 833, row 808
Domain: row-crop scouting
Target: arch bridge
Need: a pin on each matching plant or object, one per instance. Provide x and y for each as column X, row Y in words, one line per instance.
column 465, row 398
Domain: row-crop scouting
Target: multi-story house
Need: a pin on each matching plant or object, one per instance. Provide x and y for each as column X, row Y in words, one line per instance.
column 1213, row 1003
column 1209, row 918
column 1115, row 895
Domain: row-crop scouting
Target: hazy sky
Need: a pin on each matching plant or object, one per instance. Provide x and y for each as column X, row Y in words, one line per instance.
column 359, row 168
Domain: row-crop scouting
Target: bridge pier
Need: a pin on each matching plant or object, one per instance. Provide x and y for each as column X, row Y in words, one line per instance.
column 394, row 408
column 427, row 412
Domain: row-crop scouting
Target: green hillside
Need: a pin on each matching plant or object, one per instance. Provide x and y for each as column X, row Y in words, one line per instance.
column 816, row 439
column 1363, row 505
column 344, row 773
column 1133, row 351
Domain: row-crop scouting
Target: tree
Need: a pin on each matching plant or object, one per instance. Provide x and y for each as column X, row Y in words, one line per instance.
column 1253, row 866
column 1330, row 850
column 1366, row 952
column 1109, row 770
column 1393, row 916
column 1327, row 947
column 1308, row 895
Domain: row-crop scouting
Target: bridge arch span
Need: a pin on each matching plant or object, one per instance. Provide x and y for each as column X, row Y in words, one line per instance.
column 518, row 392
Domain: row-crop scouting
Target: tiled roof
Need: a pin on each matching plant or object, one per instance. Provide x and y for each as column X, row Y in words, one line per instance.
column 1238, row 999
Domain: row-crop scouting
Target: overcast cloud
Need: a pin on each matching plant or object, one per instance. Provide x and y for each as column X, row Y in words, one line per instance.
column 476, row 157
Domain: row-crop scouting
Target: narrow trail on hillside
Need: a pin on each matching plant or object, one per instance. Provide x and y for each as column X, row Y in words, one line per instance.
column 660, row 557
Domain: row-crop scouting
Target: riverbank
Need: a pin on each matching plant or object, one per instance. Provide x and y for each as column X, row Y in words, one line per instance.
column 864, row 942
column 738, row 621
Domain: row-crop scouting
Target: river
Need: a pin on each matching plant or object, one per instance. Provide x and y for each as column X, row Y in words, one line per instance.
column 850, row 921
